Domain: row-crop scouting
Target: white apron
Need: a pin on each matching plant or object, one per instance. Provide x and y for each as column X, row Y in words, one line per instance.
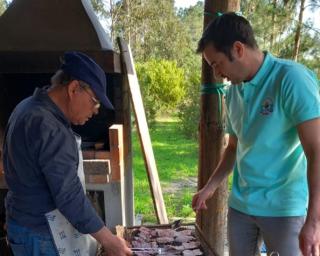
column 68, row 240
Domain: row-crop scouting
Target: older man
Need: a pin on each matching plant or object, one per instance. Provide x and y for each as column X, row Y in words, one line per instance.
column 41, row 160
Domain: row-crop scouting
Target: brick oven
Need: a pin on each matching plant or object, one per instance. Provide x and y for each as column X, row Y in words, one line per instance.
column 34, row 34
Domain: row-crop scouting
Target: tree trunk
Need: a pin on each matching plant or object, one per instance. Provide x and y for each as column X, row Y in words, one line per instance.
column 298, row 32
column 127, row 6
column 212, row 221
column 274, row 9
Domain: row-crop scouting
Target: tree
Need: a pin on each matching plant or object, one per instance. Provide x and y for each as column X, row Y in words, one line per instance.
column 152, row 28
column 299, row 25
column 297, row 37
column 270, row 20
column 189, row 107
column 3, row 6
column 279, row 29
column 162, row 86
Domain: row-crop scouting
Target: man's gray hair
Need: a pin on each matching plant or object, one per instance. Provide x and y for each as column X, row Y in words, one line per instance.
column 61, row 78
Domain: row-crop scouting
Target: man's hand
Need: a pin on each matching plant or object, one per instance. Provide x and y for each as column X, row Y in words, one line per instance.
column 309, row 239
column 223, row 169
column 113, row 245
column 116, row 246
column 199, row 199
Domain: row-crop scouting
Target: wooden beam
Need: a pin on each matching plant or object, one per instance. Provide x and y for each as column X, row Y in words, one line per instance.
column 117, row 167
column 97, row 170
column 95, row 154
column 143, row 132
column 213, row 220
column 116, row 151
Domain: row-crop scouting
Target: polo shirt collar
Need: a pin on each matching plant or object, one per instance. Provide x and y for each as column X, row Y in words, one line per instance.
column 263, row 70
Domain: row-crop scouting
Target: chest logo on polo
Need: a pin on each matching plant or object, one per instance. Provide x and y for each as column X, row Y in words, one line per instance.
column 266, row 107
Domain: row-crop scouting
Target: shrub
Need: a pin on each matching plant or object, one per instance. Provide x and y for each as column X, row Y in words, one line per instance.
column 189, row 108
column 162, row 86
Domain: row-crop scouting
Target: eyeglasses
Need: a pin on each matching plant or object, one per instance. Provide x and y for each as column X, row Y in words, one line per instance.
column 96, row 102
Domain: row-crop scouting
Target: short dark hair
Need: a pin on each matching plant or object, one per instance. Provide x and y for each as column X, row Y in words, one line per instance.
column 226, row 29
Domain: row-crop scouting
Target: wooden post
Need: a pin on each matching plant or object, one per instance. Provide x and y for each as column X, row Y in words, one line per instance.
column 117, row 165
column 143, row 132
column 212, row 221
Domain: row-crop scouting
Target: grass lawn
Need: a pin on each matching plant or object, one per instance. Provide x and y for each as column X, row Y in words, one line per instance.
column 177, row 161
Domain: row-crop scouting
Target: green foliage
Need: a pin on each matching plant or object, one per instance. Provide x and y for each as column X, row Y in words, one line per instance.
column 275, row 23
column 162, row 86
column 189, row 107
column 310, row 54
column 270, row 20
column 152, row 29
column 99, row 8
column 192, row 18
column 3, row 6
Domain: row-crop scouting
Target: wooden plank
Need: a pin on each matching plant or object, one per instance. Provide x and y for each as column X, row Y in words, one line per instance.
column 116, row 151
column 117, row 165
column 96, row 166
column 97, row 179
column 95, row 154
column 97, row 170
column 123, row 116
column 143, row 132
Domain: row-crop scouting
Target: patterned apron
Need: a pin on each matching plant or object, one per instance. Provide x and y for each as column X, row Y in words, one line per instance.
column 68, row 240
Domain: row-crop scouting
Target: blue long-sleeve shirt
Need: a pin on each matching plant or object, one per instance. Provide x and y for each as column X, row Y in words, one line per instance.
column 40, row 157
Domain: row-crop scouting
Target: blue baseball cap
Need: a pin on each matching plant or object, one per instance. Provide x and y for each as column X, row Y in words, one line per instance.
column 82, row 67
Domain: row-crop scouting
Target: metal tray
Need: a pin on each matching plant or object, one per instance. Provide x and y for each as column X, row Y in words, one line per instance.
column 126, row 233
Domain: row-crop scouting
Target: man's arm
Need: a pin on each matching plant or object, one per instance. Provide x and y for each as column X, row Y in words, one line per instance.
column 221, row 172
column 309, row 133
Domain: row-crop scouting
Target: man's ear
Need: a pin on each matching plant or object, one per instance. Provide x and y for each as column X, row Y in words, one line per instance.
column 238, row 49
column 72, row 88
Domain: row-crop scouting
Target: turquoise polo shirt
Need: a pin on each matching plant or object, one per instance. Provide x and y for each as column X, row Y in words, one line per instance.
column 270, row 170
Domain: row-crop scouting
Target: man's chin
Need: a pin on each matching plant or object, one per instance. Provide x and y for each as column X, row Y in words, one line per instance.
column 79, row 122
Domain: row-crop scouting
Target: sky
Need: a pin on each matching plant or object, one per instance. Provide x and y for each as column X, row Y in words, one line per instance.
column 185, row 3
column 308, row 13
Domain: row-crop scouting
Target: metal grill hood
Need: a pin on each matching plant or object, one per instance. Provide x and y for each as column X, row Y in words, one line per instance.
column 52, row 25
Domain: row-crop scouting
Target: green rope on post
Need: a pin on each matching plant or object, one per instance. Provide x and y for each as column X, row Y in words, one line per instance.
column 215, row 88
column 217, row 14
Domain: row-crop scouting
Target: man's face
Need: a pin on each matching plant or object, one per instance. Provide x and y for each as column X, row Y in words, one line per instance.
column 222, row 66
column 84, row 105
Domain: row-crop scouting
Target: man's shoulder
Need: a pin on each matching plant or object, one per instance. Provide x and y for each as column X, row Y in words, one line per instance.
column 30, row 109
column 32, row 115
column 290, row 68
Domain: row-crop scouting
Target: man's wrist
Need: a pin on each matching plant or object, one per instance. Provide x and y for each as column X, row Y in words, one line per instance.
column 103, row 236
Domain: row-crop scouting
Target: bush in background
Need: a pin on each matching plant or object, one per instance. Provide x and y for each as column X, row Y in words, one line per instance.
column 162, row 86
column 189, row 107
